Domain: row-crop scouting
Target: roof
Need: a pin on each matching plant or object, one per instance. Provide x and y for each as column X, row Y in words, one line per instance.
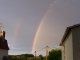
column 68, row 29
column 6, row 58
column 3, row 44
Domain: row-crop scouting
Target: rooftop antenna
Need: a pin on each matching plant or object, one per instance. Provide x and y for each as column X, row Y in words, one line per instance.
column 1, row 32
column 0, row 26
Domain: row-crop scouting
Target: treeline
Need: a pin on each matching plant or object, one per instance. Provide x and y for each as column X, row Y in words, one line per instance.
column 54, row 54
column 26, row 57
column 21, row 57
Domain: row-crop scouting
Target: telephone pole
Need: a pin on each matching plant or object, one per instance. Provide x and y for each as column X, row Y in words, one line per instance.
column 47, row 52
column 35, row 55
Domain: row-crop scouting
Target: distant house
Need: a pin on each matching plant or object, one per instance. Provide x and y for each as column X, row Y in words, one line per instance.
column 71, row 43
column 3, row 47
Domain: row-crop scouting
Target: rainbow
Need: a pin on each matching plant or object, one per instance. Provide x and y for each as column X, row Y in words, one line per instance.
column 38, row 29
column 17, row 30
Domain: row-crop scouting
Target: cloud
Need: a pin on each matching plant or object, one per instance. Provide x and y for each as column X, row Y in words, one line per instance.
column 16, row 48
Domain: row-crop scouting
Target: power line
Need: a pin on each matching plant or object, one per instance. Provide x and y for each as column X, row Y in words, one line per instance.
column 45, row 48
column 41, row 49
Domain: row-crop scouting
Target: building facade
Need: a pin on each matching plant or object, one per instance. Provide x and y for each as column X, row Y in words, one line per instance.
column 71, row 43
column 3, row 47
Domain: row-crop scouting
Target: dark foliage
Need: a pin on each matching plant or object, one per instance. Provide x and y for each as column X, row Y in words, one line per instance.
column 54, row 55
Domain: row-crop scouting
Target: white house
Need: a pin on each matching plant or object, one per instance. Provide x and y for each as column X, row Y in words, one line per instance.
column 71, row 43
column 3, row 47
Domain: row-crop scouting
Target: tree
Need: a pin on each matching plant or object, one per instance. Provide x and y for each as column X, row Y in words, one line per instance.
column 54, row 54
column 44, row 57
column 41, row 57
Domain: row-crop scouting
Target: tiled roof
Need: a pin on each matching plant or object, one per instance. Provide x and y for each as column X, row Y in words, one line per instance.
column 3, row 44
column 68, row 29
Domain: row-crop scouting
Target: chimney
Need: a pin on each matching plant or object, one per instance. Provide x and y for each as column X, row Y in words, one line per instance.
column 2, row 34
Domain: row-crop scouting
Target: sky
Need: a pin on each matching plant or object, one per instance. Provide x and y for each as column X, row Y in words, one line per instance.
column 22, row 18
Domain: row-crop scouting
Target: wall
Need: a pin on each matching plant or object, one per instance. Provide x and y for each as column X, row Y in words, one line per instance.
column 3, row 53
column 76, row 43
column 67, row 53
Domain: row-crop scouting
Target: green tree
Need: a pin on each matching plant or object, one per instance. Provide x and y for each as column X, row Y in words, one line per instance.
column 54, row 54
column 41, row 57
column 44, row 57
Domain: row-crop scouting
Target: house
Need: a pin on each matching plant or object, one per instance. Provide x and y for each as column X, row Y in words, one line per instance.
column 71, row 43
column 3, row 47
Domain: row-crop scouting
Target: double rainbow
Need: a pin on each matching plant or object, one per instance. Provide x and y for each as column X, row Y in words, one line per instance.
column 37, row 31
